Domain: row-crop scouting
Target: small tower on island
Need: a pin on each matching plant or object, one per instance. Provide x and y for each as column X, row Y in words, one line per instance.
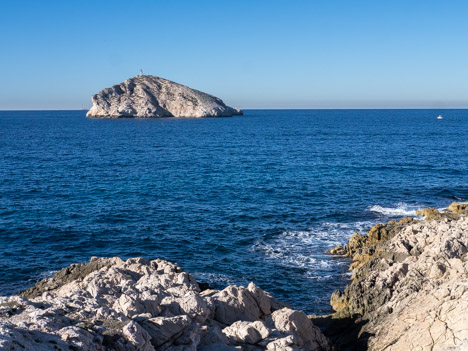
column 141, row 72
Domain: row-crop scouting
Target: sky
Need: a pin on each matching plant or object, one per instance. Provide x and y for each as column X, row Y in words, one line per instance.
column 250, row 53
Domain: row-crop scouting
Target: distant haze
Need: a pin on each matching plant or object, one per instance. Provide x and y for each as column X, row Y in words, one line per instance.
column 251, row 54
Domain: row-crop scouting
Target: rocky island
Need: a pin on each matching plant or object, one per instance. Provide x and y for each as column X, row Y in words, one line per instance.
column 146, row 96
column 409, row 291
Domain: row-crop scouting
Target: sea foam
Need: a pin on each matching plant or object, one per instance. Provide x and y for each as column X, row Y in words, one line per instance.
column 306, row 249
column 401, row 210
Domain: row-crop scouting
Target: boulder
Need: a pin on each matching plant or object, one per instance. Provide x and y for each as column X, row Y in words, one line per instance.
column 288, row 343
column 292, row 322
column 247, row 332
column 429, row 213
column 163, row 329
column 137, row 336
column 263, row 300
column 193, row 305
column 235, row 303
column 457, row 207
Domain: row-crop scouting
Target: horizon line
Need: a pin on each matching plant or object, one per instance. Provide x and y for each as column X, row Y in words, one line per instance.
column 281, row 108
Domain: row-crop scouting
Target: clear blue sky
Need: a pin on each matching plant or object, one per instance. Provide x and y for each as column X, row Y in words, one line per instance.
column 250, row 53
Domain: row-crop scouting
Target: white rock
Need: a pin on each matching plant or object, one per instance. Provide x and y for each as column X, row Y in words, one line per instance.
column 137, row 336
column 149, row 96
column 234, row 304
column 79, row 338
column 194, row 306
column 263, row 301
column 132, row 305
column 297, row 323
column 288, row 343
column 426, row 295
column 162, row 329
column 247, row 332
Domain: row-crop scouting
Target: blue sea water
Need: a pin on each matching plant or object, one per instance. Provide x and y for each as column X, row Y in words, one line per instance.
column 258, row 197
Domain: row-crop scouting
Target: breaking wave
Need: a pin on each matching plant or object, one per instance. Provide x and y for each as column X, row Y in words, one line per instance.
column 307, row 249
column 401, row 210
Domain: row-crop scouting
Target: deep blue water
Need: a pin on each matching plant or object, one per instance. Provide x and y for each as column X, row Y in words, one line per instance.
column 258, row 197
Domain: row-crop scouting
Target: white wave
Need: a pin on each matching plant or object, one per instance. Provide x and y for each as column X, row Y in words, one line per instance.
column 47, row 274
column 288, row 256
column 307, row 249
column 401, row 210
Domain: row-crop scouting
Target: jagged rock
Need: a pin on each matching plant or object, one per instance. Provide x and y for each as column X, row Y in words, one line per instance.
column 264, row 300
column 413, row 290
column 149, row 96
column 137, row 336
column 363, row 248
column 247, row 332
column 356, row 242
column 382, row 232
column 109, row 304
column 162, row 329
column 212, row 335
column 195, row 307
column 338, row 250
column 288, row 343
column 457, row 207
column 292, row 322
column 429, row 213
column 67, row 275
column 80, row 338
column 338, row 301
column 432, row 214
column 234, row 304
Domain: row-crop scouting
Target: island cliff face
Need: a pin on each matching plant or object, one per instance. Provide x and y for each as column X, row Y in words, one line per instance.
column 149, row 96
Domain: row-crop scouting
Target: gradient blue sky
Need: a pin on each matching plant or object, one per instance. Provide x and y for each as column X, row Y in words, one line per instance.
column 252, row 53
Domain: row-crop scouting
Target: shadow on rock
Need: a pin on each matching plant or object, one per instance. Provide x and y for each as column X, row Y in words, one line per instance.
column 345, row 333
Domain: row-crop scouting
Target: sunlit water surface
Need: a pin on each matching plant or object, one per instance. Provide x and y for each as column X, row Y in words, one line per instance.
column 259, row 197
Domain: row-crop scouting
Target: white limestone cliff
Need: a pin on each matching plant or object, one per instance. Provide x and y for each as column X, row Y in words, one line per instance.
column 149, row 96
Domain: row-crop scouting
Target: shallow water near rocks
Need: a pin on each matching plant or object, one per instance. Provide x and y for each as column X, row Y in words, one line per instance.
column 258, row 197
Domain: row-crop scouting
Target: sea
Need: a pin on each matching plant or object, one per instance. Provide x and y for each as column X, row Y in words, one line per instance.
column 259, row 197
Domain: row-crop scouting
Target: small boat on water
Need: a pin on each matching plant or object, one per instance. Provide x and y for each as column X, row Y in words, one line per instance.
column 440, row 117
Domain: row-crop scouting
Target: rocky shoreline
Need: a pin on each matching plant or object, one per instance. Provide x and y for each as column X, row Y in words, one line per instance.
column 409, row 288
column 409, row 291
column 110, row 304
